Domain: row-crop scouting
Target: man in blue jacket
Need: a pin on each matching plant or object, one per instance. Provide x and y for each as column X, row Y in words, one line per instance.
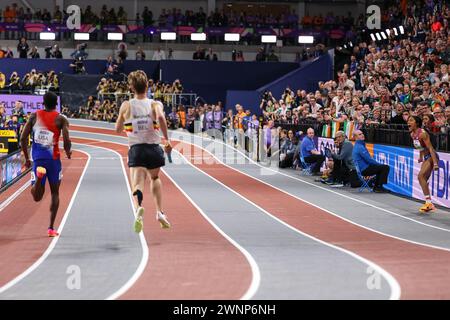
column 367, row 165
column 310, row 153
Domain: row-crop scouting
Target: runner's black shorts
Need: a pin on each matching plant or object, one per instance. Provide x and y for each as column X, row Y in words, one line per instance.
column 150, row 156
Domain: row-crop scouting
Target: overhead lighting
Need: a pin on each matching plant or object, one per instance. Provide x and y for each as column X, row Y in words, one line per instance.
column 47, row 36
column 268, row 39
column 168, row 36
column 198, row 36
column 395, row 31
column 378, row 36
column 115, row 36
column 345, row 46
column 402, row 30
column 234, row 37
column 81, row 36
column 388, row 32
column 383, row 35
column 372, row 36
column 305, row 39
column 351, row 44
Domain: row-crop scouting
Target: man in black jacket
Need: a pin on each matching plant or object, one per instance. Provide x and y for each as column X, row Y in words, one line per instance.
column 23, row 48
column 343, row 161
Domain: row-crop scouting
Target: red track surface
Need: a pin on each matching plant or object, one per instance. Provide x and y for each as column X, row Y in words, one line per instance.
column 23, row 235
column 10, row 191
column 189, row 261
column 422, row 272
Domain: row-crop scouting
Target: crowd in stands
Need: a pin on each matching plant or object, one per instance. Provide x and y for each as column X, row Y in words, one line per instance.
column 30, row 83
column 384, row 83
column 166, row 18
column 14, row 121
column 110, row 94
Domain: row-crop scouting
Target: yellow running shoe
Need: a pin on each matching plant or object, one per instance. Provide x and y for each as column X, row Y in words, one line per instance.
column 427, row 207
column 162, row 218
column 139, row 222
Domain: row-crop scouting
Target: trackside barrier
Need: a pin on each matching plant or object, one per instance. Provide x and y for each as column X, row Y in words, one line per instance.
column 404, row 171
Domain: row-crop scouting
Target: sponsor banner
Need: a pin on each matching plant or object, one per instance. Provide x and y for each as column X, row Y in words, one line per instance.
column 31, row 103
column 401, row 163
column 10, row 168
column 2, row 172
column 438, row 183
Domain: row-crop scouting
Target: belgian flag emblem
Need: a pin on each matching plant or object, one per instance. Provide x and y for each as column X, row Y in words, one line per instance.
column 155, row 125
column 128, row 127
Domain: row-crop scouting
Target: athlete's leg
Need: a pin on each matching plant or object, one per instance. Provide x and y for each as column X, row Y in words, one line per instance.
column 54, row 188
column 156, row 187
column 138, row 176
column 424, row 175
column 38, row 181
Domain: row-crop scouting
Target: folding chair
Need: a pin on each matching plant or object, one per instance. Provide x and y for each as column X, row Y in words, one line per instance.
column 307, row 167
column 365, row 180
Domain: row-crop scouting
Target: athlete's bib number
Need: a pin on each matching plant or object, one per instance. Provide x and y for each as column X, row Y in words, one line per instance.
column 43, row 137
column 141, row 125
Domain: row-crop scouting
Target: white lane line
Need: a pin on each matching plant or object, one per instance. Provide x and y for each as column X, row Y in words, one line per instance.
column 256, row 275
column 310, row 203
column 318, row 207
column 315, row 185
column 395, row 287
column 18, row 192
column 286, row 175
column 143, row 263
column 52, row 245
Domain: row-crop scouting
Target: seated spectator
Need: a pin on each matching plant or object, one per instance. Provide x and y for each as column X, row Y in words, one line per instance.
column 287, row 150
column 159, row 54
column 310, row 153
column 272, row 56
column 140, row 54
column 367, row 165
column 343, row 166
column 34, row 54
column 173, row 119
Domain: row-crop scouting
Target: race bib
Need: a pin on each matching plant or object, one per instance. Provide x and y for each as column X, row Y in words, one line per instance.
column 141, row 125
column 43, row 137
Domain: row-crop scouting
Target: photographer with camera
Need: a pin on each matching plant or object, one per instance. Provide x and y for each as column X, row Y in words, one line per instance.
column 78, row 66
column 80, row 52
column 57, row 54
column 34, row 54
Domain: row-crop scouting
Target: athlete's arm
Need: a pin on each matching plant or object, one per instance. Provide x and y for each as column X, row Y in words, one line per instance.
column 121, row 118
column 426, row 139
column 159, row 115
column 24, row 138
column 66, row 138
column 421, row 156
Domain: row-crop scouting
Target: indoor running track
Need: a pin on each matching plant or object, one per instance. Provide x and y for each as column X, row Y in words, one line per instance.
column 239, row 231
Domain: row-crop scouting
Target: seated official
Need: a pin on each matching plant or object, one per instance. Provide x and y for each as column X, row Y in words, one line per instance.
column 342, row 161
column 287, row 150
column 367, row 165
column 310, row 153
